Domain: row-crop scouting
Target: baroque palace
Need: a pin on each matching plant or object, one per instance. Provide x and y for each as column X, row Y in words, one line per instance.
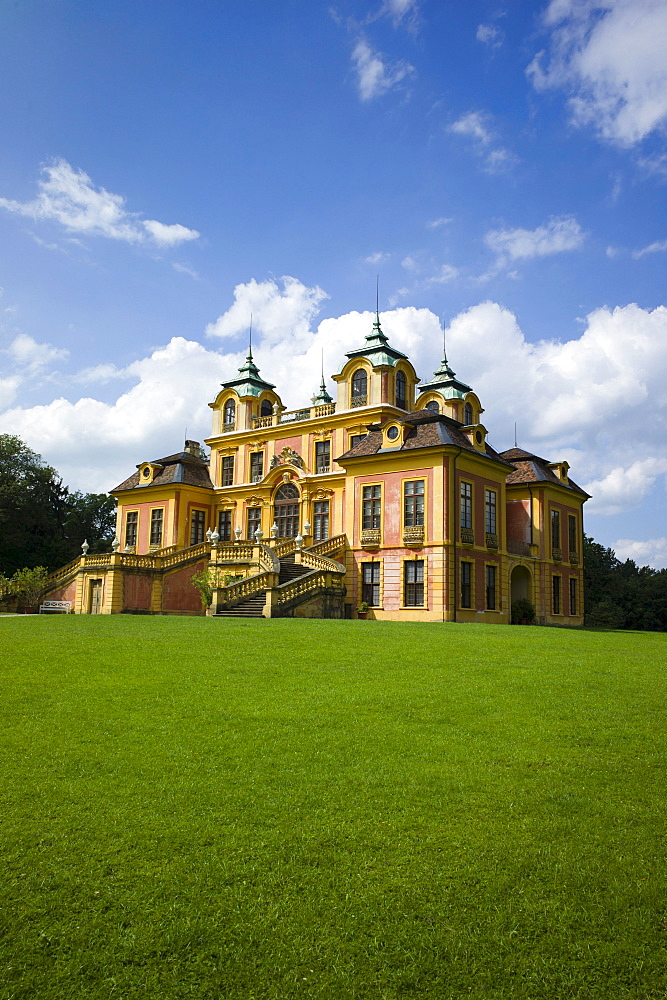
column 389, row 497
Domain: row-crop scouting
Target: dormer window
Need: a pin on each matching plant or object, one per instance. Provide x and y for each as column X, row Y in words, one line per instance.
column 467, row 414
column 266, row 409
column 359, row 388
column 400, row 389
column 433, row 406
column 229, row 415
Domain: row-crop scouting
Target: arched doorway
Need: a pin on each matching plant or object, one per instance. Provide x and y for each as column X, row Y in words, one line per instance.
column 286, row 511
column 521, row 584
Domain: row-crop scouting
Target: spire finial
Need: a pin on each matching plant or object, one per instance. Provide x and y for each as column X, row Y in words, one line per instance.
column 444, row 339
column 377, row 299
column 250, row 340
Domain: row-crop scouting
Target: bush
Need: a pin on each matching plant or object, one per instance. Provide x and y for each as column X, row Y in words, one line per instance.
column 523, row 610
column 28, row 584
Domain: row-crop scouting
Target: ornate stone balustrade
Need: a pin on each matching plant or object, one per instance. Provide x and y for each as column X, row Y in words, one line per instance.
column 413, row 536
column 236, row 592
column 491, row 540
column 467, row 536
column 329, row 545
column 303, row 585
column 370, row 538
column 316, row 561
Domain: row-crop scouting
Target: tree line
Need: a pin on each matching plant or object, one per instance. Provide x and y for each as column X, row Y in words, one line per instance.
column 42, row 523
column 622, row 594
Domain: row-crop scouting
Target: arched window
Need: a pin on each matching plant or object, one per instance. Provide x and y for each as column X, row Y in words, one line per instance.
column 266, row 409
column 286, row 511
column 359, row 387
column 229, row 413
column 433, row 406
column 467, row 414
column 400, row 390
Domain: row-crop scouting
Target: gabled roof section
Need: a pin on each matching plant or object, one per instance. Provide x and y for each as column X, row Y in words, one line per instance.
column 249, row 382
column 182, row 468
column 426, row 430
column 378, row 350
column 529, row 468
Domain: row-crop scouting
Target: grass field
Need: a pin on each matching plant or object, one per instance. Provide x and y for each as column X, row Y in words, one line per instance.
column 260, row 810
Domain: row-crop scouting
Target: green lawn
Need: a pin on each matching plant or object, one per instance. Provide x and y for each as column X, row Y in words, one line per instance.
column 261, row 810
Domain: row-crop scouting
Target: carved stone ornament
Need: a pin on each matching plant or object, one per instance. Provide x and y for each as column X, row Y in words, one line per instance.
column 286, row 477
column 322, row 494
column 254, row 501
column 291, row 456
column 228, row 505
column 324, row 433
column 275, row 462
column 257, row 445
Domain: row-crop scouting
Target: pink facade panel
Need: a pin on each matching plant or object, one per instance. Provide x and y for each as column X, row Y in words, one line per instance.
column 178, row 593
column 137, row 591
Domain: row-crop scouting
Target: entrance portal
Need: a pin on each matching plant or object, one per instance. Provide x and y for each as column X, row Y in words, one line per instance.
column 286, row 511
column 95, row 599
column 521, row 584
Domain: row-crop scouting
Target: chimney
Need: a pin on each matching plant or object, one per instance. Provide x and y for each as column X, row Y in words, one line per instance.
column 192, row 448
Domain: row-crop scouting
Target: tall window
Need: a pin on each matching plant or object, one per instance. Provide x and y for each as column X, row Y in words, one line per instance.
column 413, row 504
column 467, row 414
column 266, row 409
column 571, row 534
column 490, row 588
column 131, row 522
column 555, row 594
column 228, row 470
column 490, row 501
column 256, row 466
column 254, row 521
column 370, row 583
column 229, row 414
column 555, row 529
column 400, row 390
column 323, row 456
column 197, row 527
column 286, row 511
column 372, row 500
column 466, row 505
column 466, row 585
column 225, row 525
column 156, row 526
column 320, row 520
column 413, row 591
column 359, row 387
column 573, row 596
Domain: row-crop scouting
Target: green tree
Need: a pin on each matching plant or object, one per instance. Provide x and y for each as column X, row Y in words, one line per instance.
column 32, row 509
column 41, row 522
column 91, row 517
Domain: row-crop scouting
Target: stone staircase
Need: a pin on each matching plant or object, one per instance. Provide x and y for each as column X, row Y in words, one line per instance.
column 252, row 607
column 289, row 570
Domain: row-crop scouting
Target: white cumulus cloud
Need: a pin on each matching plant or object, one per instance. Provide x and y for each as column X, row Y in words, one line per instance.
column 652, row 552
column 609, row 56
column 598, row 399
column 69, row 197
column 557, row 235
column 375, row 75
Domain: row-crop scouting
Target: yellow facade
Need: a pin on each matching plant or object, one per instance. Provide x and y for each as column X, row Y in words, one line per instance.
column 390, row 496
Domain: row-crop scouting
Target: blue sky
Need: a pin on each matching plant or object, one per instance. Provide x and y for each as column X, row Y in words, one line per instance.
column 170, row 167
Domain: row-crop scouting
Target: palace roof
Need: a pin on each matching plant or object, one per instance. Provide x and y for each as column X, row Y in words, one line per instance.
column 183, row 467
column 533, row 469
column 427, row 430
